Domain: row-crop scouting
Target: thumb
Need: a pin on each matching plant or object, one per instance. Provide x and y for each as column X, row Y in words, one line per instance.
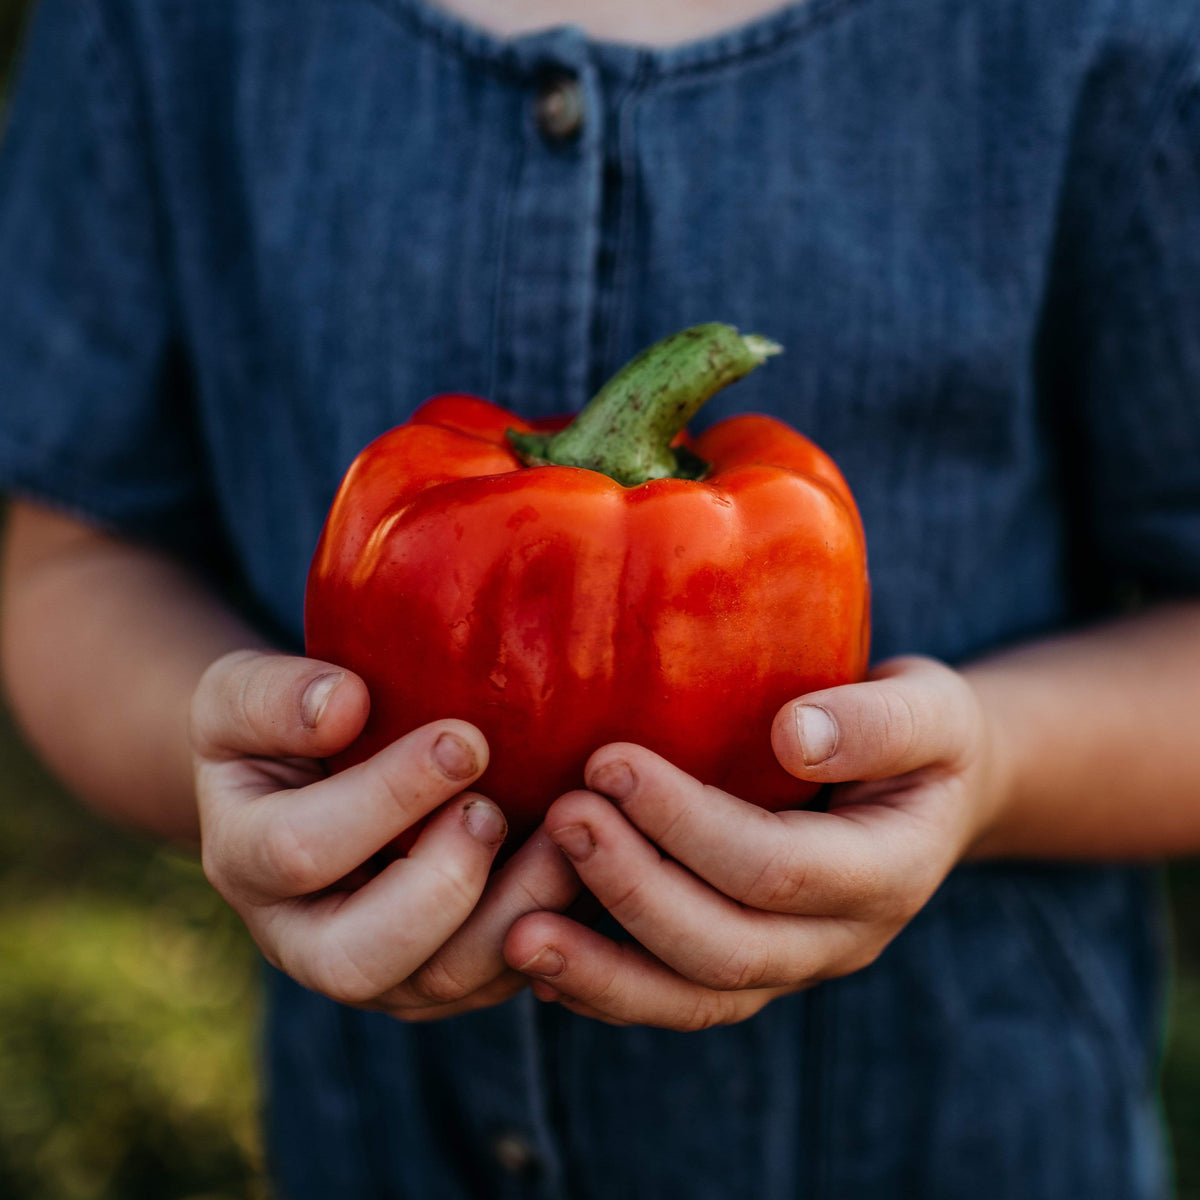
column 911, row 712
column 275, row 706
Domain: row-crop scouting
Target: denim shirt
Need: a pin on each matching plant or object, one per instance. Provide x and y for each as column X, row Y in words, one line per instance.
column 240, row 238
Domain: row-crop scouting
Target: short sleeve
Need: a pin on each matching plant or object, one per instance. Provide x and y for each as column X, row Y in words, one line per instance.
column 1123, row 338
column 95, row 415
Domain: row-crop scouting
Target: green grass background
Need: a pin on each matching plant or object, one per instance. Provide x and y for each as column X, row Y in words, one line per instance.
column 129, row 1003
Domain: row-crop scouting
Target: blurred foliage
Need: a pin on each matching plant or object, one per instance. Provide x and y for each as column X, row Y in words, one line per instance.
column 128, row 1011
column 1181, row 1066
column 129, row 1000
column 12, row 13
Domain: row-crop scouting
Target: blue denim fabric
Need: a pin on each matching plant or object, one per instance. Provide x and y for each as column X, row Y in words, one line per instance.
column 239, row 238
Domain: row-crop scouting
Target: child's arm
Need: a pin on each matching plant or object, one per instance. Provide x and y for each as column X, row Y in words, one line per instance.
column 1085, row 746
column 164, row 710
column 103, row 643
column 1099, row 732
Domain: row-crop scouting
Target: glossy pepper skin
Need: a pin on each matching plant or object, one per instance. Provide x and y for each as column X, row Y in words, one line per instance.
column 559, row 610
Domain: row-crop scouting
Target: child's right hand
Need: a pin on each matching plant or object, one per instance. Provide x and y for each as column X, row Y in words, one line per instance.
column 286, row 845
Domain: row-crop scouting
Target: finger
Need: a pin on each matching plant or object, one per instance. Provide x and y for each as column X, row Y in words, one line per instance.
column 503, row 988
column 911, row 713
column 275, row 706
column 619, row 982
column 356, row 946
column 843, row 863
column 293, row 843
column 705, row 936
column 537, row 877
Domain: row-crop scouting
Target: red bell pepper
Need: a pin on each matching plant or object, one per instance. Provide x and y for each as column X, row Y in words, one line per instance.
column 599, row 584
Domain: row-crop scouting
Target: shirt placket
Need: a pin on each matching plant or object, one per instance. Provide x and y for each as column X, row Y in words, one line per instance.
column 545, row 312
column 547, row 280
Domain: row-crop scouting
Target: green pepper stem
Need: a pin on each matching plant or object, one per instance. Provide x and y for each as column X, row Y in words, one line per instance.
column 627, row 428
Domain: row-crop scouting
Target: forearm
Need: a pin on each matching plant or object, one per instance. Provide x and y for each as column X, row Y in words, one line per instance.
column 102, row 644
column 1097, row 741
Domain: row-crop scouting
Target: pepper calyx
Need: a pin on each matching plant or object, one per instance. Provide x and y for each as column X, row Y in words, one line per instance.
column 627, row 428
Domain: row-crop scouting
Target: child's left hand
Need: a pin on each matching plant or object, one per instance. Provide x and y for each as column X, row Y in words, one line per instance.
column 732, row 905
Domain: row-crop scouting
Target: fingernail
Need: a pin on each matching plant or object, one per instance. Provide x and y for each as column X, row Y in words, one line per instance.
column 485, row 822
column 316, row 697
column 575, row 841
column 614, row 779
column 543, row 991
column 454, row 757
column 546, row 962
column 818, row 734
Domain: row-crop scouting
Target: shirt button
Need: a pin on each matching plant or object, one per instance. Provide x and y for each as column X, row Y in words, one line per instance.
column 514, row 1153
column 559, row 108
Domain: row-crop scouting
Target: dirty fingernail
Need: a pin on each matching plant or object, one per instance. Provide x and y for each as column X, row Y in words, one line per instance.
column 575, row 841
column 485, row 822
column 818, row 733
column 454, row 757
column 316, row 697
column 545, row 962
column 614, row 779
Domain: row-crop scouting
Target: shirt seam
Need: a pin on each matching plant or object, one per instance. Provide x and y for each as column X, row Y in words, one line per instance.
column 810, row 20
column 454, row 42
column 793, row 25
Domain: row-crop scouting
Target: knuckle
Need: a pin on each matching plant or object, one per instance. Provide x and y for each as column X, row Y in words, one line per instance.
column 527, row 898
column 861, row 887
column 250, row 700
column 334, row 974
column 212, row 862
column 604, row 990
column 891, row 893
column 704, row 1011
column 287, row 863
column 898, row 720
column 228, row 674
column 267, row 696
column 781, row 883
column 675, row 823
column 394, row 790
column 741, row 968
column 211, row 692
column 436, row 983
column 219, row 863
column 552, row 894
column 450, row 889
column 402, row 791
column 630, row 904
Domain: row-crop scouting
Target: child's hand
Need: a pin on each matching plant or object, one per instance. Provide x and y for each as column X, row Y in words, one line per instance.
column 732, row 905
column 286, row 845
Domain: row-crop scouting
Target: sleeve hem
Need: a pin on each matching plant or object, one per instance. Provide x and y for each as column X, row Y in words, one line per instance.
column 137, row 512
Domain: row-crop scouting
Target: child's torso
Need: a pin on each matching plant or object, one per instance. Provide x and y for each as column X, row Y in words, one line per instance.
column 365, row 203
